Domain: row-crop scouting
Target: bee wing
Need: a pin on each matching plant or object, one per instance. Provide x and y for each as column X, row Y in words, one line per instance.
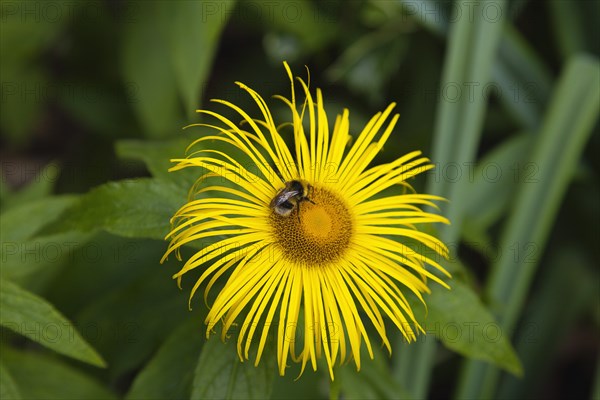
column 284, row 195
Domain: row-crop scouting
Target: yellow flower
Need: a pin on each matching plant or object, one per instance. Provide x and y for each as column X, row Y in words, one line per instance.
column 306, row 230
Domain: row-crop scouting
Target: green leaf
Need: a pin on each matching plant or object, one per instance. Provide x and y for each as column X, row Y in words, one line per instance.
column 41, row 377
column 93, row 270
column 567, row 126
column 148, row 70
column 568, row 26
column 132, row 208
column 33, row 317
column 22, row 222
column 525, row 83
column 169, row 373
column 167, row 56
column 193, row 29
column 472, row 49
column 31, row 261
column 521, row 79
column 129, row 320
column 463, row 324
column 157, row 156
column 495, row 178
column 418, row 10
column 8, row 386
column 404, row 357
column 220, row 374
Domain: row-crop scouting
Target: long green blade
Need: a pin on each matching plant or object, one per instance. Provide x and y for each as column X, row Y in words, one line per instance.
column 472, row 50
column 569, row 120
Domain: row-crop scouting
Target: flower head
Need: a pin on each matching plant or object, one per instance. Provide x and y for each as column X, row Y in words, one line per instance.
column 306, row 231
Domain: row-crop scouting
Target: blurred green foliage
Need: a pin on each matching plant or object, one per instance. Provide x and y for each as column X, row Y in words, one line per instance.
column 503, row 95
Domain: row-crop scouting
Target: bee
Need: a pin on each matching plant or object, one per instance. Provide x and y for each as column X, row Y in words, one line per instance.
column 290, row 197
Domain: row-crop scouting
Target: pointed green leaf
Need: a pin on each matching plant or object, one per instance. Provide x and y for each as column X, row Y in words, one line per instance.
column 495, row 179
column 22, row 222
column 42, row 377
column 8, row 386
column 158, row 156
column 192, row 31
column 30, row 261
column 463, row 324
column 33, row 317
column 33, row 263
column 132, row 208
column 147, row 69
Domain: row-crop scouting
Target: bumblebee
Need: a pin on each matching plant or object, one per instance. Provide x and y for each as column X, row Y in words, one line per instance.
column 290, row 197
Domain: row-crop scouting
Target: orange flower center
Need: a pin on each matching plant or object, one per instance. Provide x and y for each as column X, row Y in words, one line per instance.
column 316, row 232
